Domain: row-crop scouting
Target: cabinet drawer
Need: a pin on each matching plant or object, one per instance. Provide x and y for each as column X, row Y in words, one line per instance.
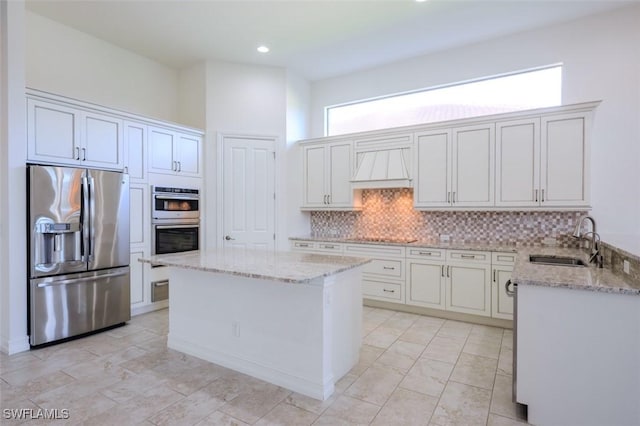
column 381, row 290
column 503, row 258
column 372, row 250
column 303, row 245
column 426, row 253
column 385, row 267
column 469, row 256
column 330, row 247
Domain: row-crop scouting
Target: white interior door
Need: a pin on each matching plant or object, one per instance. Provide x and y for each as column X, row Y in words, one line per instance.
column 248, row 192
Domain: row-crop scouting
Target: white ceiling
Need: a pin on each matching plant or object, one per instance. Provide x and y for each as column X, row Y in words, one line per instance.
column 317, row 38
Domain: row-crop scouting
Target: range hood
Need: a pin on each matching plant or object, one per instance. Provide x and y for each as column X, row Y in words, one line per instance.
column 382, row 169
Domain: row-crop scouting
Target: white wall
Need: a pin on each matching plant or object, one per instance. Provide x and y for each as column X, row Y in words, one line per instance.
column 601, row 60
column 192, row 96
column 13, row 240
column 242, row 100
column 62, row 60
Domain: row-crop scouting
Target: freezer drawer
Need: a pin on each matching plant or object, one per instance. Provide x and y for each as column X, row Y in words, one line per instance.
column 69, row 305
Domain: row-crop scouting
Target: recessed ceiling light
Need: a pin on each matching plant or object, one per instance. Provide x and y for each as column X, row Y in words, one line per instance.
column 420, row 1
column 263, row 49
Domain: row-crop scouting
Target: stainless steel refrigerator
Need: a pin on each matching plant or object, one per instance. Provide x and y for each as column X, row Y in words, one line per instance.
column 78, row 251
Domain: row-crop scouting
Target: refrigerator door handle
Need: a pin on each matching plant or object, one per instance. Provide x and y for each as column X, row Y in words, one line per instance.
column 79, row 280
column 84, row 215
column 92, row 209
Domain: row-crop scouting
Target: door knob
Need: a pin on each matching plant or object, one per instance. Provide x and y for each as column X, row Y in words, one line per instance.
column 228, row 238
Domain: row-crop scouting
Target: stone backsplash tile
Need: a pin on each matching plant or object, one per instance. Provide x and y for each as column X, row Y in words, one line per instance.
column 389, row 213
column 614, row 258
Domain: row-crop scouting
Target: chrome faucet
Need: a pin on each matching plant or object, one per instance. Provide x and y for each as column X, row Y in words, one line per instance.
column 595, row 239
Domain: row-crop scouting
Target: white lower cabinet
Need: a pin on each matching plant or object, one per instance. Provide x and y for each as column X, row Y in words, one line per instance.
column 139, row 279
column 426, row 283
column 469, row 288
column 501, row 303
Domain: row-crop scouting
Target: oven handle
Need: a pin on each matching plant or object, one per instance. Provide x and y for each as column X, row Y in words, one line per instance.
column 195, row 225
column 176, row 197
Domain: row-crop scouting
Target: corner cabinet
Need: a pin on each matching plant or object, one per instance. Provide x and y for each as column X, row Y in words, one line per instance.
column 61, row 134
column 327, row 170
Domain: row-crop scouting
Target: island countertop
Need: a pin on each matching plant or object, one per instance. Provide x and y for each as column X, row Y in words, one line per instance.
column 288, row 267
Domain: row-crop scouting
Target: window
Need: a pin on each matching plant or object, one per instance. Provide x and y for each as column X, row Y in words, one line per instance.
column 525, row 90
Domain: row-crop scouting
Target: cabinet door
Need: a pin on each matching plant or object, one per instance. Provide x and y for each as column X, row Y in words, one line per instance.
column 138, row 278
column 189, row 155
column 518, row 163
column 161, row 151
column 135, row 136
column 314, row 169
column 340, row 170
column 426, row 284
column 139, row 214
column 103, row 141
column 501, row 303
column 52, row 133
column 565, row 160
column 432, row 170
column 469, row 288
column 473, row 166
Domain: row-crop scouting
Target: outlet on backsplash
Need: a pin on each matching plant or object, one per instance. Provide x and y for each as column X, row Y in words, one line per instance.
column 445, row 238
column 550, row 241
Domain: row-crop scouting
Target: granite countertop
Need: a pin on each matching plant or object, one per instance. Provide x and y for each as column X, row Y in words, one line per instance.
column 580, row 278
column 526, row 273
column 288, row 267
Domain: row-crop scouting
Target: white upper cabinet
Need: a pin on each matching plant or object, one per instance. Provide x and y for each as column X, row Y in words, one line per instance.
column 473, row 166
column 173, row 152
column 432, row 170
column 564, row 168
column 455, row 167
column 135, row 143
column 518, row 163
column 66, row 135
column 327, row 175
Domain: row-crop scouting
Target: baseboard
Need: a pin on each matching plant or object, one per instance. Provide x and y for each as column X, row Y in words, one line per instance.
column 277, row 377
column 14, row 346
column 139, row 310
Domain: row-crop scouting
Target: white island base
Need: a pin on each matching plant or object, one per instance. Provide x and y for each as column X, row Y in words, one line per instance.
column 301, row 336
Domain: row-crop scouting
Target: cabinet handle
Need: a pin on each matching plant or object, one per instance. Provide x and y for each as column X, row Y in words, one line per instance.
column 442, row 271
column 494, row 275
column 536, row 195
column 173, row 166
column 328, row 247
column 425, row 253
column 126, row 169
column 179, row 166
column 303, row 245
column 448, row 274
column 329, row 199
column 388, row 291
column 468, row 256
column 77, row 153
column 391, row 268
column 542, row 196
column 510, row 293
column 84, row 154
column 453, row 197
column 448, row 196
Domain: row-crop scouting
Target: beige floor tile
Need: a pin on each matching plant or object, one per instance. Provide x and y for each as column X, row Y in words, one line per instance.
column 34, row 387
column 344, row 383
column 382, row 337
column 312, row 405
column 82, row 409
column 507, row 339
column 400, row 321
column 185, row 378
column 252, row 405
column 501, row 399
column 431, row 323
column 475, row 371
column 505, row 361
column 428, row 376
column 57, row 361
column 285, row 415
column 488, row 349
column 221, row 419
column 348, row 411
column 406, row 407
column 368, row 355
column 495, row 420
column 133, row 386
column 446, row 349
column 401, row 355
column 375, row 385
column 486, row 334
column 418, row 334
column 456, row 329
column 462, row 404
column 17, row 362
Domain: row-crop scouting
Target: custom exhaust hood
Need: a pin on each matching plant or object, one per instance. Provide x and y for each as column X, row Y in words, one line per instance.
column 382, row 169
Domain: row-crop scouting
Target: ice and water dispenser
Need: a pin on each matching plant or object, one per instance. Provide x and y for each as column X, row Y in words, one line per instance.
column 56, row 243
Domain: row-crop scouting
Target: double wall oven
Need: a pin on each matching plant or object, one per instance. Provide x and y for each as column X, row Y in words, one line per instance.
column 175, row 220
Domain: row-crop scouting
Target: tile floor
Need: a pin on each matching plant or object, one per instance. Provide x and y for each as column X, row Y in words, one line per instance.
column 413, row 370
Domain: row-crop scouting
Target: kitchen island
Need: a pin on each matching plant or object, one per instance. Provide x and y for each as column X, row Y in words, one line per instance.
column 578, row 342
column 292, row 319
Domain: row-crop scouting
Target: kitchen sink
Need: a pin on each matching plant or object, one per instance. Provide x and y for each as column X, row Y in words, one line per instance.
column 556, row 260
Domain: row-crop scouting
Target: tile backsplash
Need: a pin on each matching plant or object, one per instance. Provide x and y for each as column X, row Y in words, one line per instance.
column 389, row 213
